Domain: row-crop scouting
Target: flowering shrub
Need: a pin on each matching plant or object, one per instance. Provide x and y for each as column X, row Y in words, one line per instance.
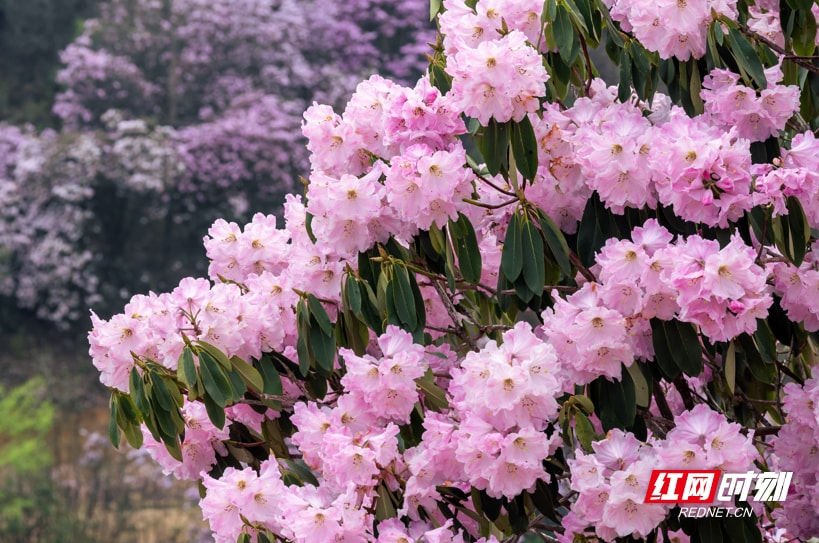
column 509, row 294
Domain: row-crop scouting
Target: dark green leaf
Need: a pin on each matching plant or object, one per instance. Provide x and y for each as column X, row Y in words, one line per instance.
column 214, row 378
column 133, row 435
column 798, row 231
column 685, row 343
column 512, row 256
column 138, row 392
column 534, row 265
column 624, row 87
column 304, row 353
column 186, row 368
column 216, row 413
column 384, row 507
column 215, row 353
column 466, row 247
column 524, row 148
column 568, row 44
column 556, row 242
column 747, row 57
column 319, row 314
column 434, row 396
column 250, row 375
column 804, row 35
column 403, row 298
column 615, row 402
column 270, row 376
column 353, row 295
column 584, row 430
column 160, row 391
column 323, row 347
column 596, row 226
column 113, row 429
column 494, row 146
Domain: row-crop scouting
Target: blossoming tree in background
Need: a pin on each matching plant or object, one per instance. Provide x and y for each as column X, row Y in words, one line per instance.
column 510, row 292
column 175, row 113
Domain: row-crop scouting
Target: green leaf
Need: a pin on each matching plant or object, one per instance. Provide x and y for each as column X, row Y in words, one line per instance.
column 624, row 87
column 319, row 314
column 384, row 507
column 804, row 35
column 113, row 430
column 556, row 242
column 466, row 247
column 494, row 145
column 213, row 377
column 662, row 353
column 729, row 366
column 596, row 226
column 353, row 295
column 584, row 430
column 323, row 347
column 534, row 265
column 434, row 396
column 133, row 435
column 685, row 343
column 747, row 57
column 403, row 297
column 435, row 7
column 642, row 391
column 215, row 353
column 797, row 232
column 524, row 148
column 186, row 368
column 270, row 376
column 216, row 413
column 512, row 256
column 250, row 375
column 159, row 390
column 615, row 402
column 138, row 392
column 568, row 44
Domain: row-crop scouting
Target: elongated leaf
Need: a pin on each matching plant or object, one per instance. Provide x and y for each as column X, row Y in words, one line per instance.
column 524, row 148
column 615, row 402
column 186, row 368
column 353, row 295
column 215, row 353
column 798, row 231
column 466, row 247
column 689, row 349
column 556, row 242
column 624, row 87
column 216, row 413
column 494, row 146
column 729, row 365
column 270, row 376
column 138, row 392
column 642, row 390
column 160, row 392
column 512, row 256
column 596, row 226
column 213, row 377
column 662, row 353
column 434, row 396
column 384, row 507
column 250, row 375
column 747, row 57
column 565, row 37
column 319, row 314
column 323, row 347
column 113, row 430
column 534, row 265
column 133, row 435
column 584, row 430
column 403, row 298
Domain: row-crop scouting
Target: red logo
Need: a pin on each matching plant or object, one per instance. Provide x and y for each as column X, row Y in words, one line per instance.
column 682, row 486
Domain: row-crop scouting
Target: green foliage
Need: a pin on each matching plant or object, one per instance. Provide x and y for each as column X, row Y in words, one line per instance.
column 26, row 418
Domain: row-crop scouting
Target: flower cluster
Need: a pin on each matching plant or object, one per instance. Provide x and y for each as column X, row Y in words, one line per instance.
column 756, row 116
column 613, row 481
column 673, row 28
column 795, row 450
